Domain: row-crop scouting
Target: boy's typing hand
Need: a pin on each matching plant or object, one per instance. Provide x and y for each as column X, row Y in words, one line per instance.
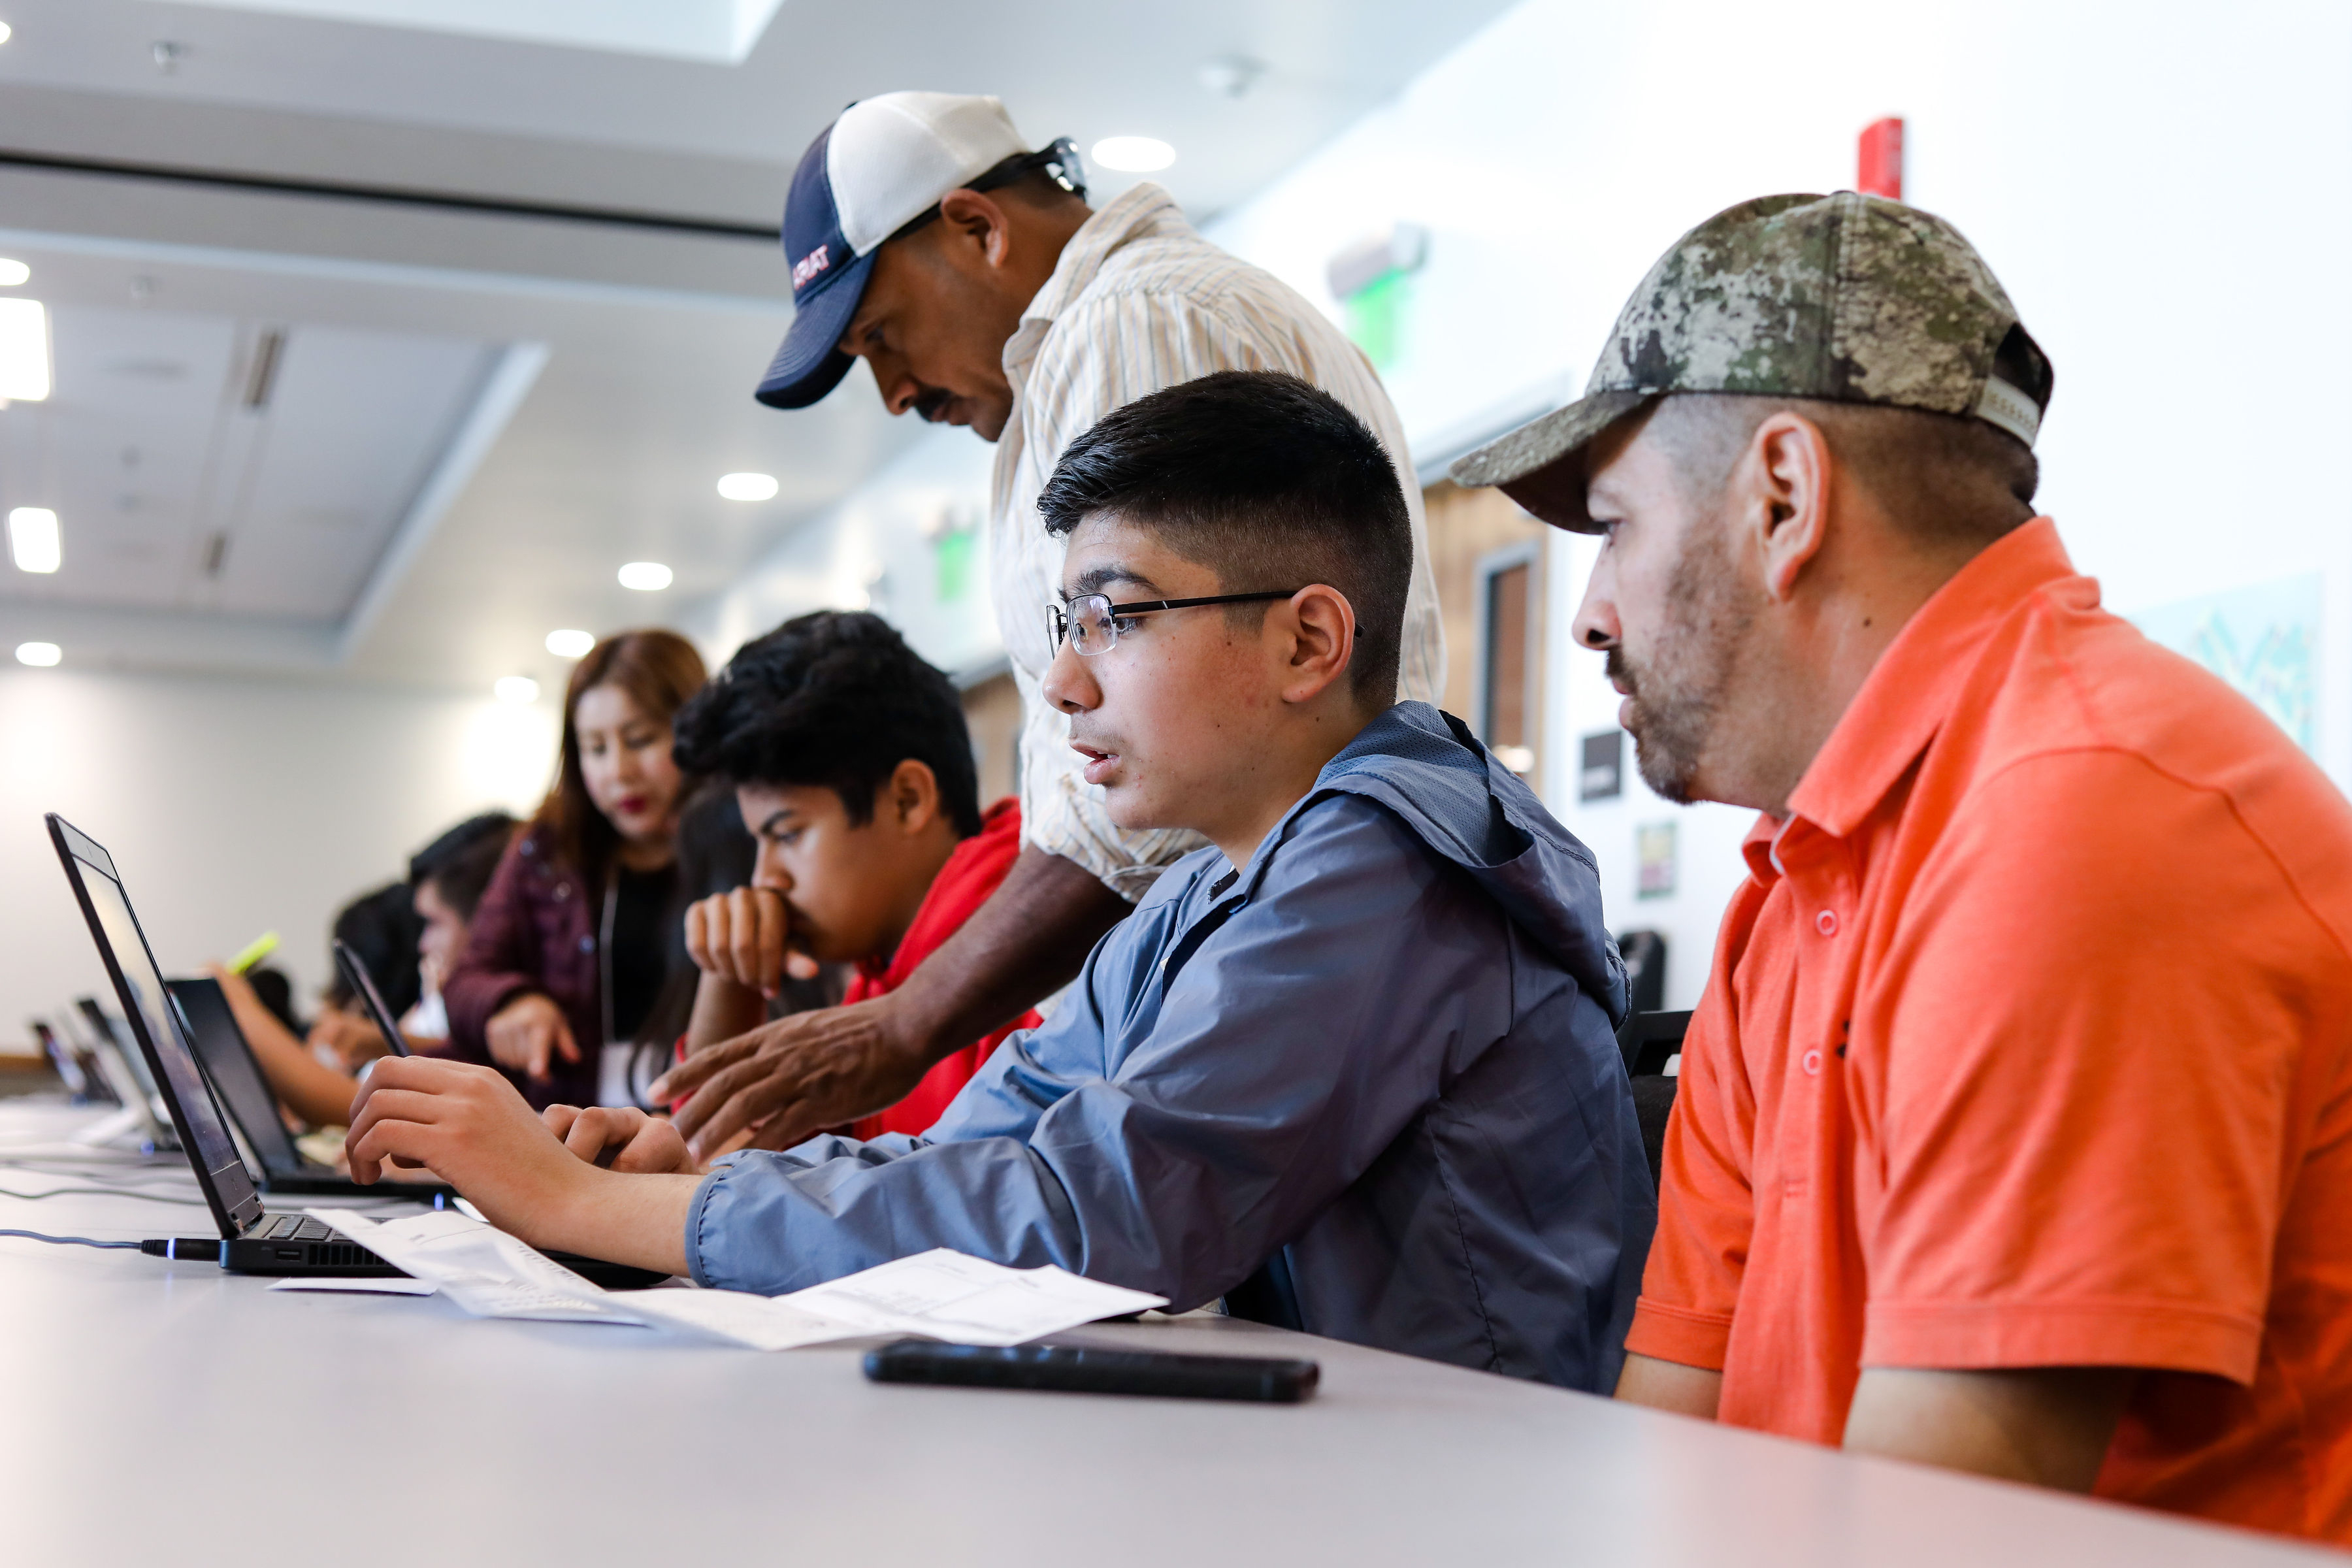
column 468, row 1126
column 619, row 1138
column 745, row 936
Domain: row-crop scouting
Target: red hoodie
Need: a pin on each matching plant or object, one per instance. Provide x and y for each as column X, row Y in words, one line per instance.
column 968, row 880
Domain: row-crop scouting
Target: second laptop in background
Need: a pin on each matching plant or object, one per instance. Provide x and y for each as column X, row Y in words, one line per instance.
column 244, row 1090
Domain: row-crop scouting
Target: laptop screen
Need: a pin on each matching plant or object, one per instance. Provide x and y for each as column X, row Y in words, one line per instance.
column 356, row 976
column 102, row 1030
column 228, row 1059
column 148, row 1008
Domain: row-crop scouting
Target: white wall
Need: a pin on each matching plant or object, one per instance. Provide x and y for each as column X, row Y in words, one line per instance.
column 231, row 808
column 2161, row 188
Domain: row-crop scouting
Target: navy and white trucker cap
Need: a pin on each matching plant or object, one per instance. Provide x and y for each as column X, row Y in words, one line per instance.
column 882, row 164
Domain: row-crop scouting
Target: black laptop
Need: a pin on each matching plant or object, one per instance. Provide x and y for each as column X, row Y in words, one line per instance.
column 242, row 1090
column 253, row 1241
column 127, row 1076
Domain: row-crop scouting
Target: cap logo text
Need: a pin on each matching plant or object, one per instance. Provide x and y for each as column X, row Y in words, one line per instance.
column 809, row 266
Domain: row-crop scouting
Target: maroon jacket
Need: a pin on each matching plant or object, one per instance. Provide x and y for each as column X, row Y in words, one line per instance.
column 535, row 930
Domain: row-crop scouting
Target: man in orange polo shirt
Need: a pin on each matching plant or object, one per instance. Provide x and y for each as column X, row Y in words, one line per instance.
column 2015, row 1127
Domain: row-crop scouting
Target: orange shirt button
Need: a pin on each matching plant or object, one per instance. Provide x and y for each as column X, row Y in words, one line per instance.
column 1814, row 1063
column 1826, row 922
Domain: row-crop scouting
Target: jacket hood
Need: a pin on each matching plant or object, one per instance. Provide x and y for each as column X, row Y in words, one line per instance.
column 1427, row 768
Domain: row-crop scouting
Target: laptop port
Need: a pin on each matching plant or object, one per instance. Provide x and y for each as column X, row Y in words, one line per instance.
column 289, row 1254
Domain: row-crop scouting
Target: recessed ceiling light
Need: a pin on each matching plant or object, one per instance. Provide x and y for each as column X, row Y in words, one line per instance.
column 567, row 644
column 39, row 655
column 1135, row 154
column 33, row 539
column 13, row 273
column 518, row 689
column 747, row 487
column 645, row 577
column 23, row 351
column 6, row 32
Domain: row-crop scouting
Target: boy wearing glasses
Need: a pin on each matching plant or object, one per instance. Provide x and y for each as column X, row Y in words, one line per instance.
column 1351, row 1067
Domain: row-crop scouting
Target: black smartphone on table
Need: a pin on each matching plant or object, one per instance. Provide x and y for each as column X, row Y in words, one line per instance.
column 1077, row 1369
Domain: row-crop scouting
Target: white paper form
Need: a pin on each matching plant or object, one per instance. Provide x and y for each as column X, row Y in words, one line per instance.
column 485, row 1271
column 940, row 1295
column 739, row 1316
column 946, row 1295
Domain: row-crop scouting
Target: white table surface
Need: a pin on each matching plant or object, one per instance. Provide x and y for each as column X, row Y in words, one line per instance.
column 154, row 1412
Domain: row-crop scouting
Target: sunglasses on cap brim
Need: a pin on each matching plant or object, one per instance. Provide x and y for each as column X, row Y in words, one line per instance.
column 1059, row 162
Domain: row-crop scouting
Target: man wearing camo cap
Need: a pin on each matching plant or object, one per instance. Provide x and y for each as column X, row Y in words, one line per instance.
column 2014, row 1129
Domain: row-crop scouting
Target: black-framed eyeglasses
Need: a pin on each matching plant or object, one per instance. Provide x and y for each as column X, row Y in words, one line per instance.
column 1060, row 162
column 1090, row 621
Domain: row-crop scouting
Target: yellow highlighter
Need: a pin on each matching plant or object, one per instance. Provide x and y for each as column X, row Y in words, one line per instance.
column 254, row 951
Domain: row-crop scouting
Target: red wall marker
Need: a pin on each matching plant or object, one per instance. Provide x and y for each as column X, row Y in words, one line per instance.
column 1881, row 159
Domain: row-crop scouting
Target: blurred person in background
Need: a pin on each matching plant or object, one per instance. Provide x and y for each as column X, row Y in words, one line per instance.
column 572, row 944
column 313, row 1079
column 449, row 876
column 384, row 927
column 277, row 993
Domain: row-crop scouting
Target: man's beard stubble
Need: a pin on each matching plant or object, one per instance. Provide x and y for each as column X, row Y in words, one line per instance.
column 1678, row 694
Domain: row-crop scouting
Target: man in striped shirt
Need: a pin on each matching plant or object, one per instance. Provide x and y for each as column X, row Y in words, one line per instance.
column 981, row 291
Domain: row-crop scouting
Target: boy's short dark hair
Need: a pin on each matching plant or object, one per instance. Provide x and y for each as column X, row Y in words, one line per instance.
column 836, row 698
column 383, row 927
column 1270, row 483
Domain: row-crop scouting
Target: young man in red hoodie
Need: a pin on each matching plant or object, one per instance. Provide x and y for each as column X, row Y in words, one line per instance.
column 853, row 768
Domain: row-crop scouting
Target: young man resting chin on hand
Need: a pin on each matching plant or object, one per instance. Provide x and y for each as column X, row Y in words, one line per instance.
column 852, row 769
column 1352, row 1068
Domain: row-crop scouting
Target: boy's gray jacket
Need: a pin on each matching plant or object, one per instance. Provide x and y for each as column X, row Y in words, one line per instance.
column 1369, row 1086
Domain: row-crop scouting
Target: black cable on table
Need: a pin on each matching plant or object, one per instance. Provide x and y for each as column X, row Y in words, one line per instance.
column 69, row 1240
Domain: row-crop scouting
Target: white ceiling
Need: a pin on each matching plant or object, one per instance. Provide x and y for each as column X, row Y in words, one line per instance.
column 197, row 466
column 342, row 559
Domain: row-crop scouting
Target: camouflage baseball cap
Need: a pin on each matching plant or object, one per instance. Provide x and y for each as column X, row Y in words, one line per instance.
column 1850, row 298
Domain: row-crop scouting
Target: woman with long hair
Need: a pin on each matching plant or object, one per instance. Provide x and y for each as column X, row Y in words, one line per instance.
column 569, row 951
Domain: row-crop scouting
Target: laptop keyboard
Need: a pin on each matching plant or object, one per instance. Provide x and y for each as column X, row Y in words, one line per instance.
column 292, row 1227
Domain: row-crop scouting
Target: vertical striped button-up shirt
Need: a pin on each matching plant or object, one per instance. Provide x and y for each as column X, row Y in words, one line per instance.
column 1138, row 303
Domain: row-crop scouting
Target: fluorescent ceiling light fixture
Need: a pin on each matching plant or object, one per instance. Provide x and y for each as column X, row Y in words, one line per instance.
column 518, row 690
column 645, row 577
column 23, row 351
column 720, row 31
column 1135, row 154
column 570, row 644
column 33, row 539
column 747, row 487
column 39, row 655
column 13, row 273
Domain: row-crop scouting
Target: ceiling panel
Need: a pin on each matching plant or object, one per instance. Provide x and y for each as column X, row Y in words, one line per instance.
column 354, row 424
column 120, row 450
column 173, row 491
